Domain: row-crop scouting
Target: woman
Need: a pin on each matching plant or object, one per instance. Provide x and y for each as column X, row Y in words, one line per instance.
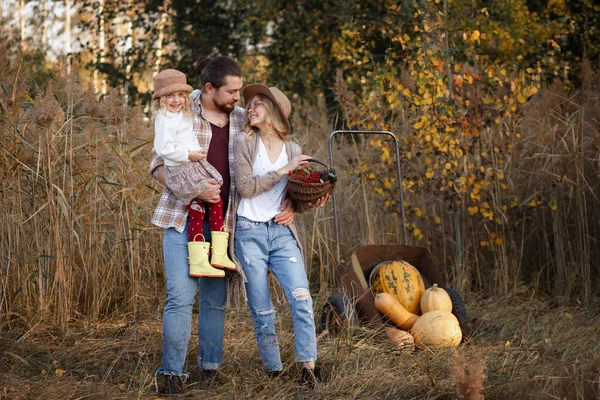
column 263, row 158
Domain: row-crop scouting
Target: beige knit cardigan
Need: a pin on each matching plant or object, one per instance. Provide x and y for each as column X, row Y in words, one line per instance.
column 245, row 147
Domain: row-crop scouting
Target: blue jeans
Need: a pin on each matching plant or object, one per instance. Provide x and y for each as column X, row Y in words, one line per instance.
column 177, row 317
column 260, row 246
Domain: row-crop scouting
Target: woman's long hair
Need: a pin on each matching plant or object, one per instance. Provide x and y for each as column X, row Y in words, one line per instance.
column 274, row 118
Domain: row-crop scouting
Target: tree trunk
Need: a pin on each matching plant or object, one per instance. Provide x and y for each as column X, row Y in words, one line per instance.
column 100, row 49
column 127, row 45
column 68, row 33
column 22, row 25
column 161, row 35
column 44, row 29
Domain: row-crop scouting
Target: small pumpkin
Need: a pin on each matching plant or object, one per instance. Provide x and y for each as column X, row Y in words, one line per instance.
column 401, row 340
column 390, row 307
column 436, row 328
column 435, row 298
column 400, row 279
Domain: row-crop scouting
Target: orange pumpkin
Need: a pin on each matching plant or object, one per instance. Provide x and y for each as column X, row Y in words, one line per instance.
column 401, row 280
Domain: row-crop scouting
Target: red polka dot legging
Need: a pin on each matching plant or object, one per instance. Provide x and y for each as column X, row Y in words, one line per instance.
column 197, row 210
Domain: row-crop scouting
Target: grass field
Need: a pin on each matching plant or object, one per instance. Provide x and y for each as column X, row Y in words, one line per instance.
column 531, row 348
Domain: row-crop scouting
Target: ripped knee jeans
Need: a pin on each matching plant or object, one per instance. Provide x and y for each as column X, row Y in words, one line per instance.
column 260, row 246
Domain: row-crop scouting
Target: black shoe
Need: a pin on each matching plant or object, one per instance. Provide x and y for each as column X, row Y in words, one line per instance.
column 310, row 377
column 172, row 384
column 207, row 377
column 275, row 374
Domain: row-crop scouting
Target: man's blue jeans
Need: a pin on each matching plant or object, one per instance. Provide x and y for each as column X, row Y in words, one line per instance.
column 177, row 317
column 260, row 246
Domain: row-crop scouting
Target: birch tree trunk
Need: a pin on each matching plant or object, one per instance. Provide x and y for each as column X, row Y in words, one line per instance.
column 164, row 16
column 100, row 49
column 44, row 29
column 68, row 33
column 127, row 45
column 22, row 25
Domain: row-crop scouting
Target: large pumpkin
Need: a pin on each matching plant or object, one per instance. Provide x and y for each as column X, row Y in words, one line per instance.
column 401, row 280
column 436, row 328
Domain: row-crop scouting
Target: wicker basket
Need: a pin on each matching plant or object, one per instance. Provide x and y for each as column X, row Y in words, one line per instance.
column 305, row 192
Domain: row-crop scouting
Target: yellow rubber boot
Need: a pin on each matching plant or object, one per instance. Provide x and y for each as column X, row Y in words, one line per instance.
column 199, row 265
column 219, row 257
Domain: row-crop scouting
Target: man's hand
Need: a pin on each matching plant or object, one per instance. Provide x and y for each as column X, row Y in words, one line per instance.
column 211, row 193
column 286, row 216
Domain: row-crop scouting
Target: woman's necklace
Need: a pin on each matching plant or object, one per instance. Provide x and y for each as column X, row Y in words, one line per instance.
column 269, row 140
column 269, row 143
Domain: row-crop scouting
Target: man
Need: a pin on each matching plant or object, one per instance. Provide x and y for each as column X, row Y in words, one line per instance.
column 217, row 120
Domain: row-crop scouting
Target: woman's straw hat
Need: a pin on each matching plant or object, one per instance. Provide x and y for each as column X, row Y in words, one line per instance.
column 279, row 99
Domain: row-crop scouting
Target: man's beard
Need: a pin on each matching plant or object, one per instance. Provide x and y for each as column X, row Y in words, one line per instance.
column 227, row 108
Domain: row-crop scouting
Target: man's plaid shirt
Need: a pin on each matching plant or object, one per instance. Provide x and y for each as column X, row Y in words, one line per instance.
column 170, row 211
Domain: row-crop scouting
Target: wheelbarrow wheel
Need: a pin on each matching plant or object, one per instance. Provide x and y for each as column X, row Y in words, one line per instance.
column 338, row 312
column 460, row 312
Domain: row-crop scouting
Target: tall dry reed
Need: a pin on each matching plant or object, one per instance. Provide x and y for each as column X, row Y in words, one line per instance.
column 76, row 199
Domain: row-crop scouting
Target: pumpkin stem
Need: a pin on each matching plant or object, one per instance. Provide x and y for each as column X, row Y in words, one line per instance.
column 434, row 288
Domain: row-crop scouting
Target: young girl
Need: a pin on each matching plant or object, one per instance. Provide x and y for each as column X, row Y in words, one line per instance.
column 187, row 172
column 263, row 157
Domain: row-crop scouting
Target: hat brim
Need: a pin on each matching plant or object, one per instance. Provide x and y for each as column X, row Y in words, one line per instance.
column 256, row 88
column 177, row 87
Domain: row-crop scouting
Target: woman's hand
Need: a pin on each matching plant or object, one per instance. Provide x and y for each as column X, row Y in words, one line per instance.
column 293, row 164
column 197, row 155
column 319, row 203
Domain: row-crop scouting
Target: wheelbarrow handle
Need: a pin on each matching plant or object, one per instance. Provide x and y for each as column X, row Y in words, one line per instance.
column 399, row 175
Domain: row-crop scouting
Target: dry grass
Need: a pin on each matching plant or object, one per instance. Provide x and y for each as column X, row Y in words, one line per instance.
column 529, row 349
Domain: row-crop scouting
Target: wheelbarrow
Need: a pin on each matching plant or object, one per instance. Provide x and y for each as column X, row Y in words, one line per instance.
column 355, row 304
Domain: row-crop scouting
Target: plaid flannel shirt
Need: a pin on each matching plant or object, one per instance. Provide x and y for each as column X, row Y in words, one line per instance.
column 170, row 211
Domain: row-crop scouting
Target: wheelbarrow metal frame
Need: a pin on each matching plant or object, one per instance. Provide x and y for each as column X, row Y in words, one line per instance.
column 398, row 171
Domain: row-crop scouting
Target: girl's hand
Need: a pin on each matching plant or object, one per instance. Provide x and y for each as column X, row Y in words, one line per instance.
column 197, row 155
column 293, row 164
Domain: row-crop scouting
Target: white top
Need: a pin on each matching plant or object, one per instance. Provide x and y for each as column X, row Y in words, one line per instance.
column 266, row 205
column 174, row 137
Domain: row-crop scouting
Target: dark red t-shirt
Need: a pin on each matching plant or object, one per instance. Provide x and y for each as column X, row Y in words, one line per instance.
column 218, row 157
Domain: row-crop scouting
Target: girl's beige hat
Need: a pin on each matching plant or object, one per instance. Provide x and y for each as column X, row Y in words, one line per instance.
column 170, row 81
column 279, row 99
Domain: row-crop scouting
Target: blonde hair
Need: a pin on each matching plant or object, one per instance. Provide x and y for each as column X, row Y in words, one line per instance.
column 160, row 104
column 274, row 118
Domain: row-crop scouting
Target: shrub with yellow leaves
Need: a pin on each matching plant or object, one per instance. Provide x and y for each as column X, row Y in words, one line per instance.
column 460, row 120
